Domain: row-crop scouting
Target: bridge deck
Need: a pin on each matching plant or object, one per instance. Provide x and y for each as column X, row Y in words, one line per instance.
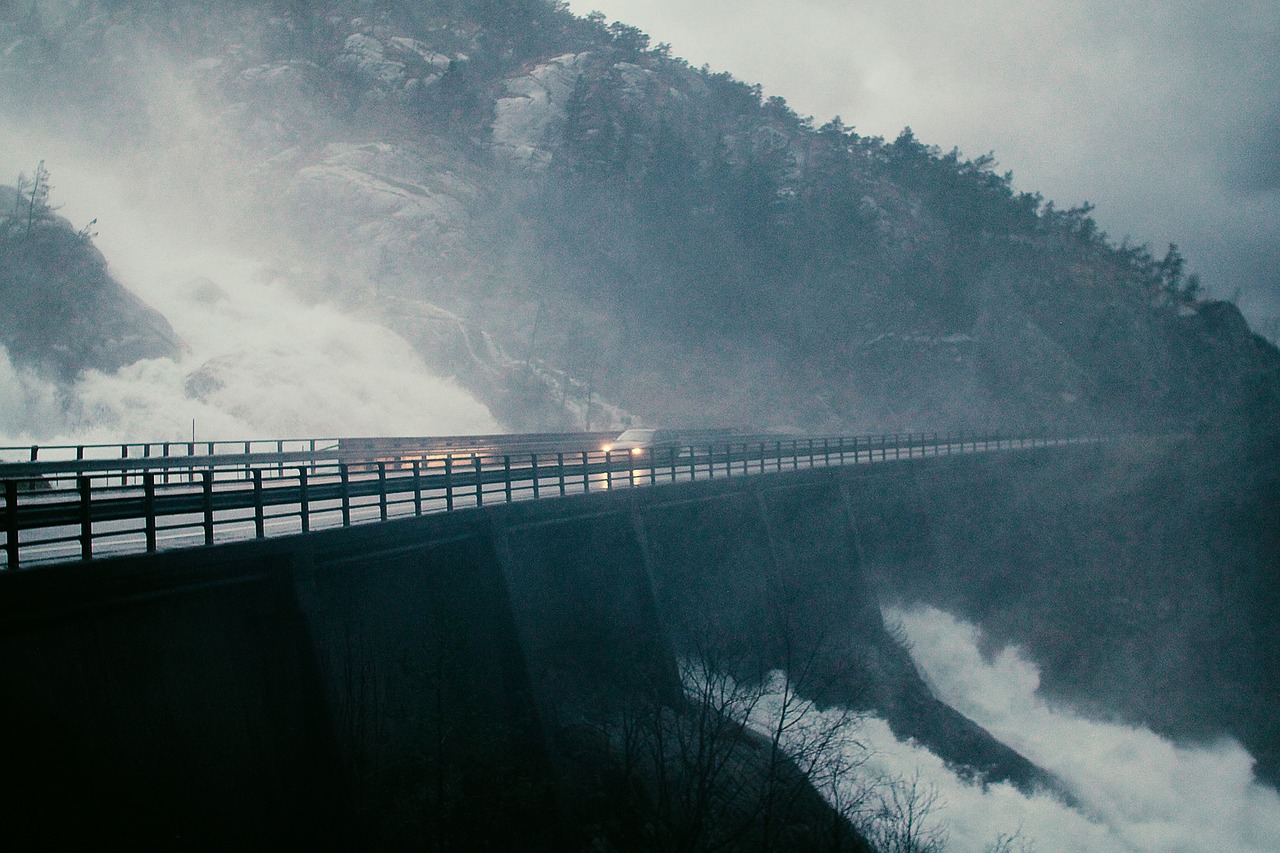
column 69, row 508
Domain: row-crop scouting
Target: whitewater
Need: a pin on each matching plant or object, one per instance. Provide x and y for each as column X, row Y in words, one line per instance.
column 1133, row 790
column 258, row 360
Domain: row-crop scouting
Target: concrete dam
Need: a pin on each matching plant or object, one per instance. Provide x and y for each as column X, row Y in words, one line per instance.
column 450, row 681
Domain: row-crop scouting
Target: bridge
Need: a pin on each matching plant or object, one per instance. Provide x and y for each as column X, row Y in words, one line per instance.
column 445, row 659
column 85, row 501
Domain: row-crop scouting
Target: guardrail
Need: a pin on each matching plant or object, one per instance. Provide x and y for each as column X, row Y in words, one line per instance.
column 186, row 449
column 78, row 508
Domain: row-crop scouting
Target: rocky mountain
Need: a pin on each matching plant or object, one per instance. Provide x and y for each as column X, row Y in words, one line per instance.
column 558, row 213
column 584, row 230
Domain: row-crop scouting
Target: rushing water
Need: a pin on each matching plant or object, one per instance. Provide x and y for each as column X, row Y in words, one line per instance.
column 258, row 361
column 1140, row 790
column 1133, row 790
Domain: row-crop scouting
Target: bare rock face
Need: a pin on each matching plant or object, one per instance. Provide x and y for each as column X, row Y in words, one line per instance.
column 64, row 313
column 380, row 197
column 615, row 224
column 529, row 118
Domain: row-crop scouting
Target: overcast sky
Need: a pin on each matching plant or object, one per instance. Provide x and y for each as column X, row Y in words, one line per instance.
column 1163, row 113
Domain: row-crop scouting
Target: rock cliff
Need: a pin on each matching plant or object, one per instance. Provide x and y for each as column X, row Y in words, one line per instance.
column 608, row 222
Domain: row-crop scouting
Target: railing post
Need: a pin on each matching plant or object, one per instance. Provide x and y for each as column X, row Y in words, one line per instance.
column 35, row 453
column 448, row 482
column 84, row 486
column 124, row 473
column 608, row 470
column 11, row 523
column 345, row 476
column 653, row 466
column 673, row 453
column 586, row 475
column 206, row 488
column 280, row 462
column 382, row 490
column 417, row 487
column 506, row 472
column 304, row 500
column 259, row 512
column 560, row 471
column 479, row 468
column 148, row 504
column 533, row 471
column 711, row 462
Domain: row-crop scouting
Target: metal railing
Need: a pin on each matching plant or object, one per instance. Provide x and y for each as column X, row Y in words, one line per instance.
column 84, row 504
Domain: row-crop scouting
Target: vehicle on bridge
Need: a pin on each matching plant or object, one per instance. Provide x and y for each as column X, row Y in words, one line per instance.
column 639, row 439
column 636, row 441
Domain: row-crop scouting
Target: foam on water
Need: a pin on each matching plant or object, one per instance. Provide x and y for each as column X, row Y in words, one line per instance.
column 1149, row 793
column 1134, row 790
column 258, row 361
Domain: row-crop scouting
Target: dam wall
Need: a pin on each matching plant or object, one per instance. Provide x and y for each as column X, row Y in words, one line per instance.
column 441, row 680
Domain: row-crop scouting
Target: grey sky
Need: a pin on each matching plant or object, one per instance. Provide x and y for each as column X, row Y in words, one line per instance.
column 1163, row 113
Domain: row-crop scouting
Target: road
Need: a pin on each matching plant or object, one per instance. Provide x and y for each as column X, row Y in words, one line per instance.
column 69, row 509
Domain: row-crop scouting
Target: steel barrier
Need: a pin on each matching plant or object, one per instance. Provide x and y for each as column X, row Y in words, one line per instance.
column 88, row 505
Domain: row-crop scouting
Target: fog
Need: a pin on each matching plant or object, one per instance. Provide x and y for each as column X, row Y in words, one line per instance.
column 1165, row 115
column 258, row 360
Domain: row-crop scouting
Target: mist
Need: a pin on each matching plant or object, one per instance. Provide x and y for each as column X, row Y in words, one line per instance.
column 260, row 357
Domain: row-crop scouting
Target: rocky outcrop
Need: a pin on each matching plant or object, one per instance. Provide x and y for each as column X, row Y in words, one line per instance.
column 616, row 224
column 528, row 121
column 64, row 313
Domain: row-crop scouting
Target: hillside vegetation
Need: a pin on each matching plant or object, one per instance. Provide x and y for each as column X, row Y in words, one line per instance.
column 558, row 212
